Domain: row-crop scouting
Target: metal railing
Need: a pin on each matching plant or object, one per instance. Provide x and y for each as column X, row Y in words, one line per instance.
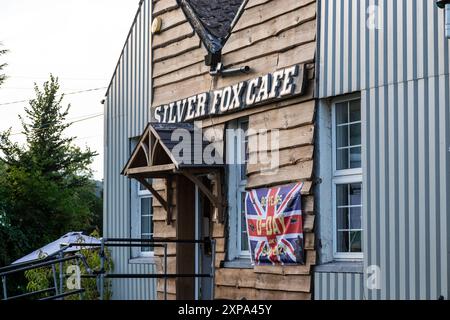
column 36, row 264
column 162, row 243
column 102, row 274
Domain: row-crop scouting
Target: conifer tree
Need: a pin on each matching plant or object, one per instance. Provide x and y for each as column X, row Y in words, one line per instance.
column 46, row 184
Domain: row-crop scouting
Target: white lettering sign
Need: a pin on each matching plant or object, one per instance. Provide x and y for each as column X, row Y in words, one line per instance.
column 271, row 87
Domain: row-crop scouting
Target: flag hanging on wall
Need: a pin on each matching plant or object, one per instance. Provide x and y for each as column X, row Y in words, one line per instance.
column 275, row 225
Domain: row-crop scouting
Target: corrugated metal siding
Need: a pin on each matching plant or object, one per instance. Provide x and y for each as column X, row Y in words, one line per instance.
column 406, row 187
column 409, row 45
column 402, row 71
column 338, row 286
column 126, row 109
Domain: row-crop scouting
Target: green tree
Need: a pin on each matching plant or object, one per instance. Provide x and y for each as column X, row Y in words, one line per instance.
column 46, row 183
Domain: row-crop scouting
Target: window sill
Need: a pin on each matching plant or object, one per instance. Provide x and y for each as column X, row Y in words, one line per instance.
column 240, row 263
column 143, row 260
column 341, row 267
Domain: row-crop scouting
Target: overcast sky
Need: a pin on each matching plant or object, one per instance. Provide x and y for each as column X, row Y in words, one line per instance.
column 77, row 40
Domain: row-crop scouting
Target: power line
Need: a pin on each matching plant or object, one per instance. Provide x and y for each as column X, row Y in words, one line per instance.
column 60, row 78
column 66, row 94
column 30, row 88
column 88, row 117
column 88, row 138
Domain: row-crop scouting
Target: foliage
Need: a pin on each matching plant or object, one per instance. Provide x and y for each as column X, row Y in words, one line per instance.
column 46, row 187
column 95, row 200
column 39, row 279
column 42, row 278
column 12, row 238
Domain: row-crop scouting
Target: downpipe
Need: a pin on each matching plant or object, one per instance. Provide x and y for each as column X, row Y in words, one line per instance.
column 445, row 5
column 447, row 20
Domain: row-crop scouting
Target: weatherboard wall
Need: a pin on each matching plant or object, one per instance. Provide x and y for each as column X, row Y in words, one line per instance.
column 126, row 115
column 401, row 68
column 271, row 35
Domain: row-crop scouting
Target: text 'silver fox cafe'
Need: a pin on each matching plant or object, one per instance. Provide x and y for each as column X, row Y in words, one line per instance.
column 281, row 149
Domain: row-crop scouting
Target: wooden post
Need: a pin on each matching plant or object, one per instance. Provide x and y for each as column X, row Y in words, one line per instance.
column 221, row 199
column 169, row 199
column 153, row 191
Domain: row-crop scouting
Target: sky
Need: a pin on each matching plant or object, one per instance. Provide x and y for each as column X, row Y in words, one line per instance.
column 80, row 42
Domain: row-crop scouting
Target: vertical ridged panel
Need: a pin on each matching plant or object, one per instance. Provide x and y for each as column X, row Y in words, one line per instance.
column 126, row 109
column 407, row 186
column 338, row 286
column 402, row 71
column 409, row 45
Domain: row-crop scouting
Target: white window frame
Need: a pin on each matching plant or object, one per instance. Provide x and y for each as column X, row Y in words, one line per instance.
column 341, row 177
column 143, row 194
column 336, row 172
column 236, row 186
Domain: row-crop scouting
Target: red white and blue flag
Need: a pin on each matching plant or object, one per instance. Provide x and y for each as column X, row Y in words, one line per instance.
column 275, row 225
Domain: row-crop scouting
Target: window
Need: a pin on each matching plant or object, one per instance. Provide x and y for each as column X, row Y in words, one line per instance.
column 146, row 217
column 237, row 159
column 243, row 157
column 347, row 179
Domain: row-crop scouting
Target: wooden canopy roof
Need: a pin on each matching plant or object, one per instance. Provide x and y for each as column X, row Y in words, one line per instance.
column 158, row 155
column 165, row 149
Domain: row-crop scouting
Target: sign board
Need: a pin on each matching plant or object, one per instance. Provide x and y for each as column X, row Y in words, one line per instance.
column 275, row 225
column 259, row 91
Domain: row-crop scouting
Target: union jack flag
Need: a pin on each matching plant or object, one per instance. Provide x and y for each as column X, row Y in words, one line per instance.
column 275, row 225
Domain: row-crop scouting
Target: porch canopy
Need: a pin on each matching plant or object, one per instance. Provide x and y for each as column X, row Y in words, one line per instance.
column 166, row 150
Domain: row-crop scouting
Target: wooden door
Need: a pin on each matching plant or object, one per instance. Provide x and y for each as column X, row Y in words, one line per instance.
column 185, row 287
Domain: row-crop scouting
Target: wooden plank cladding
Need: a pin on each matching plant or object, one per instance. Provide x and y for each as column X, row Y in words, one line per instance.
column 299, row 33
column 163, row 6
column 271, row 35
column 274, row 27
column 268, row 11
column 172, row 35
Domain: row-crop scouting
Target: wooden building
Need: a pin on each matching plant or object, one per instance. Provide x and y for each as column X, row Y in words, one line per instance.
column 262, row 66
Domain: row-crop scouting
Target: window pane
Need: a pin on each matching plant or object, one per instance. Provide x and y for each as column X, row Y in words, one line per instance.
column 146, row 221
column 347, row 135
column 348, row 217
column 341, row 113
column 244, row 235
column 145, row 225
column 145, row 206
column 342, row 241
column 342, row 137
column 342, row 159
column 355, row 218
column 355, row 134
column 342, row 219
column 146, row 247
column 342, row 195
column 355, row 110
column 355, row 241
column 355, row 158
column 355, row 194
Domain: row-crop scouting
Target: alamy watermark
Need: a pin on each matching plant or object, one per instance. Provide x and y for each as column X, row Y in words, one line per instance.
column 375, row 17
column 373, row 277
column 73, row 282
column 259, row 148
